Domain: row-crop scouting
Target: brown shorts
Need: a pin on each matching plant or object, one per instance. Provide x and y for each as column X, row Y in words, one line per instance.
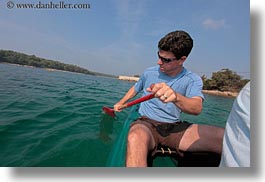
column 165, row 134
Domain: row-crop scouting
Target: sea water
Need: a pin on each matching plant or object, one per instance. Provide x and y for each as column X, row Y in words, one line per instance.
column 55, row 118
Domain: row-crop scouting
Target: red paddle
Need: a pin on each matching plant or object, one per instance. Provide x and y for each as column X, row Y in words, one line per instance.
column 111, row 112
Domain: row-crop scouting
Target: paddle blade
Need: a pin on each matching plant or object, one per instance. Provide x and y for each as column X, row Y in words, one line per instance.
column 109, row 111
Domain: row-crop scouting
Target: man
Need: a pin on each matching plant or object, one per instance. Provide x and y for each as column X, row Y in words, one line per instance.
column 236, row 143
column 176, row 90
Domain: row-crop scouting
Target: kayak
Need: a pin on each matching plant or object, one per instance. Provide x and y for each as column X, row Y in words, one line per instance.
column 165, row 157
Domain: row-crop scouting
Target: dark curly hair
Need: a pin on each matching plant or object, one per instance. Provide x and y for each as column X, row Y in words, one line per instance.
column 178, row 42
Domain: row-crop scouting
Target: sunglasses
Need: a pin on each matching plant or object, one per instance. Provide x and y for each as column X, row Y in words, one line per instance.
column 166, row 60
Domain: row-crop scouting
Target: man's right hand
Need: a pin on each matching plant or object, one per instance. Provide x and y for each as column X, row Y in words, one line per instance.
column 117, row 107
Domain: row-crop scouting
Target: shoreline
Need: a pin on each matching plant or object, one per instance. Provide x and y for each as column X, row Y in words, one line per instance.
column 220, row 93
column 134, row 79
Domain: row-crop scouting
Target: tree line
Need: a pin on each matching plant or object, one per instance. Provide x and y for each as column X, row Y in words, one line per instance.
column 13, row 57
column 224, row 80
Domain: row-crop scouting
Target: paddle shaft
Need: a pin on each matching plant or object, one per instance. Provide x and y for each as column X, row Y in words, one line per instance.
column 137, row 101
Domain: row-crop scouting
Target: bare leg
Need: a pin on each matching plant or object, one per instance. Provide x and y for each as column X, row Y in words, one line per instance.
column 202, row 138
column 140, row 141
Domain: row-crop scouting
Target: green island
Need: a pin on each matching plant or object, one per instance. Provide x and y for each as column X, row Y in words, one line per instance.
column 222, row 83
column 12, row 57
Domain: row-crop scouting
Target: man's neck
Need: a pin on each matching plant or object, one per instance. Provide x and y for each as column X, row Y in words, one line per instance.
column 175, row 72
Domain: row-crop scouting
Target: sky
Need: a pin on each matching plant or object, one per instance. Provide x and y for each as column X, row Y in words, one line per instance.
column 120, row 37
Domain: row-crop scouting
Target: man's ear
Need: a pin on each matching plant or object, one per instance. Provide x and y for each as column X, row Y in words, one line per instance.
column 183, row 58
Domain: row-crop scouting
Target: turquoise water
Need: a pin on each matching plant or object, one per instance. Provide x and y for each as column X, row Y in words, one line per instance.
column 54, row 118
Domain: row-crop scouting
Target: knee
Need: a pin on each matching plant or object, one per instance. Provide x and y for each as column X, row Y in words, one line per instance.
column 137, row 135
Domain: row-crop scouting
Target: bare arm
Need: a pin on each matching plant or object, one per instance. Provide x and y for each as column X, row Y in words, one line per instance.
column 130, row 94
column 166, row 94
column 188, row 105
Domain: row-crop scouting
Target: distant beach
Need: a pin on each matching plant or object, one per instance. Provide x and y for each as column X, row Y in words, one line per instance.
column 220, row 93
column 128, row 78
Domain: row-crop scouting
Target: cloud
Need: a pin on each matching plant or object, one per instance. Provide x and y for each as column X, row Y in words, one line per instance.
column 210, row 23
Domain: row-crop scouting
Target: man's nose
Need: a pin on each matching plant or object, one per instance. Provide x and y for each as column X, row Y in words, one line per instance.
column 159, row 61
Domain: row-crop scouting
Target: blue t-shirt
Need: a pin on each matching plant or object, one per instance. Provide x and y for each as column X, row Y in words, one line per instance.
column 185, row 83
